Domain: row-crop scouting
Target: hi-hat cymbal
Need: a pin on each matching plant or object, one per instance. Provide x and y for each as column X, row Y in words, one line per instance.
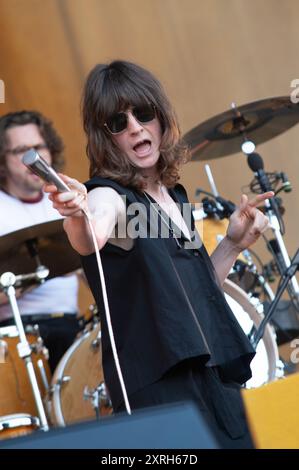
column 48, row 241
column 225, row 133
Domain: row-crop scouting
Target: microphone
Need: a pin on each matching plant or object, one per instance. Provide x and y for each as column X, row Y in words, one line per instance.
column 256, row 164
column 228, row 207
column 40, row 167
column 209, row 206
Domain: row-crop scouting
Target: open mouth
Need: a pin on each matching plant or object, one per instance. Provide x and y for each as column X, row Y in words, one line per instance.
column 142, row 148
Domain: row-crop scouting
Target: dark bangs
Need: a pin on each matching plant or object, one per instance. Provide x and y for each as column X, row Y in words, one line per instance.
column 120, row 91
column 115, row 87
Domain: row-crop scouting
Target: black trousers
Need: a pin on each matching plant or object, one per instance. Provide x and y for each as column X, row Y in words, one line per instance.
column 57, row 333
column 219, row 403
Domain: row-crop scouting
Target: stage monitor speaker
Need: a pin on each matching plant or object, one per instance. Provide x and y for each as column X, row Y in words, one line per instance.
column 273, row 414
column 177, row 426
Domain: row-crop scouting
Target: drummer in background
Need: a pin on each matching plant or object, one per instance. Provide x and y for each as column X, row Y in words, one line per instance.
column 52, row 305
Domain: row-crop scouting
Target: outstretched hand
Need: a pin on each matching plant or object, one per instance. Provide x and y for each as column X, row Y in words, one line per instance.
column 247, row 223
column 68, row 203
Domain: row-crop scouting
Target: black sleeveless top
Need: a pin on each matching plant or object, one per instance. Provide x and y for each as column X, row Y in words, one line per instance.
column 165, row 304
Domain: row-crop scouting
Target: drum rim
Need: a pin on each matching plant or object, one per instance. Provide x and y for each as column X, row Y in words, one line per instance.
column 16, row 420
column 269, row 336
column 10, row 331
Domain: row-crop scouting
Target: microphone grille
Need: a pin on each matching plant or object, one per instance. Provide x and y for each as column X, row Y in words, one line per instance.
column 255, row 162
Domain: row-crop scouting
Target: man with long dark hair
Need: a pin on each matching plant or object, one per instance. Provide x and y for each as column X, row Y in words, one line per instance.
column 176, row 337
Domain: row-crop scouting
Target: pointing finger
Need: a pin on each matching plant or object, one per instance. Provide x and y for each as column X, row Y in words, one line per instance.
column 260, row 198
column 243, row 203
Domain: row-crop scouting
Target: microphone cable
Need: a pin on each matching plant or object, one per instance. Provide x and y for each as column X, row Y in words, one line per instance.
column 107, row 310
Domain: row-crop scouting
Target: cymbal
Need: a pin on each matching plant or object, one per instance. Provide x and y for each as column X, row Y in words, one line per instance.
column 48, row 241
column 259, row 122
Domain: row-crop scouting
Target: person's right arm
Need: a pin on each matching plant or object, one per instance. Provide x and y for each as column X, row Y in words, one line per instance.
column 104, row 204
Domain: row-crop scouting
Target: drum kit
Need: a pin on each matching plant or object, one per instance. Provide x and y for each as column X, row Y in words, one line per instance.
column 31, row 399
column 241, row 130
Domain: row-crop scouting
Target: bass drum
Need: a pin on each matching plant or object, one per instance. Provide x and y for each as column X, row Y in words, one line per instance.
column 78, row 390
column 266, row 365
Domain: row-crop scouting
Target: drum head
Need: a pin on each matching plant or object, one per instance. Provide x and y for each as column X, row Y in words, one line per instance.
column 264, row 365
column 78, row 375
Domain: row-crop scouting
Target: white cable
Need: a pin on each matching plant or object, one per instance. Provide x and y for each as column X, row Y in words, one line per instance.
column 107, row 312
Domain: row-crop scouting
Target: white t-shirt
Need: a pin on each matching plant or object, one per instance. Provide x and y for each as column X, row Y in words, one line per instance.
column 59, row 294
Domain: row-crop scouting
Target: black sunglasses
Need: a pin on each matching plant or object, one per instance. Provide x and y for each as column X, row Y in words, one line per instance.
column 119, row 121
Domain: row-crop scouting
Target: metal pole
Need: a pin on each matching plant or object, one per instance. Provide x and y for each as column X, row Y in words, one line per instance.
column 7, row 281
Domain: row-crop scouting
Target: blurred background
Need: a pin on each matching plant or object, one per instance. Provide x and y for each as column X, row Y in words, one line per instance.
column 207, row 53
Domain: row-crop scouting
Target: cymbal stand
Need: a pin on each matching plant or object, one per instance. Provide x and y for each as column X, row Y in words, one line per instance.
column 7, row 283
column 213, row 186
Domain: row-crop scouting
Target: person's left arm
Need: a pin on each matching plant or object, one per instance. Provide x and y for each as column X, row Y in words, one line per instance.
column 246, row 225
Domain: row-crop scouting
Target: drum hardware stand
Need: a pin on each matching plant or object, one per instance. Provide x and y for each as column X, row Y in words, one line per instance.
column 256, row 164
column 39, row 347
column 32, row 249
column 97, row 396
column 256, row 335
column 43, row 375
column 7, row 282
column 213, row 186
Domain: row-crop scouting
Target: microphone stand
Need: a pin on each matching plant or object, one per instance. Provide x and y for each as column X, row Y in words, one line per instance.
column 7, row 282
column 282, row 257
column 256, row 335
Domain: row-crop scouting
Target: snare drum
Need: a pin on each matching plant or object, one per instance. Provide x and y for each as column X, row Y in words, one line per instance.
column 78, row 391
column 266, row 365
column 17, row 404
